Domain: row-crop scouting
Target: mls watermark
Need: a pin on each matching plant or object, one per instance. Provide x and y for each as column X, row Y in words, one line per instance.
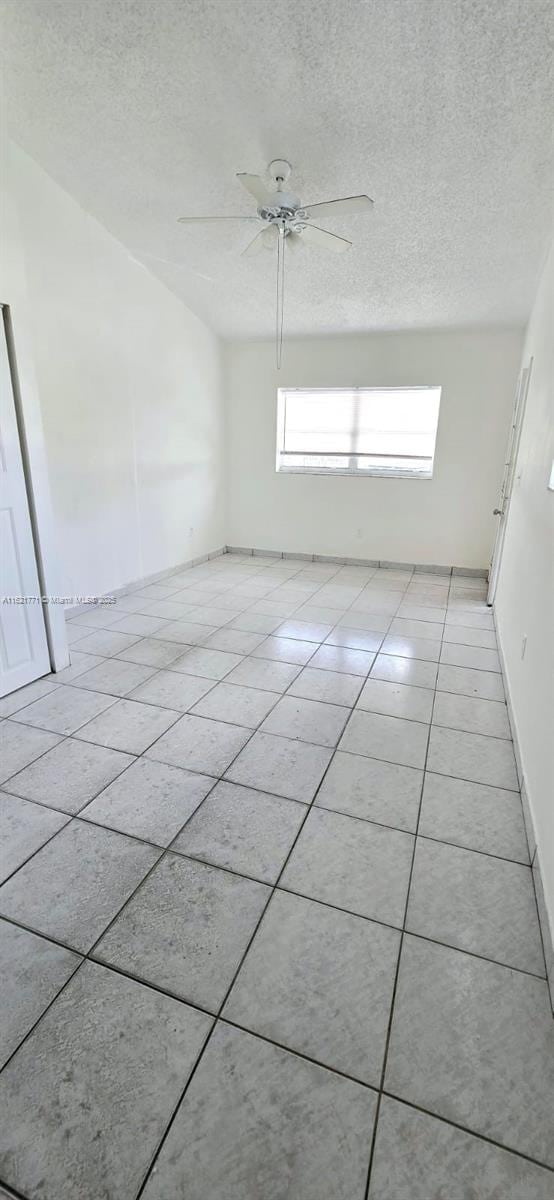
column 101, row 601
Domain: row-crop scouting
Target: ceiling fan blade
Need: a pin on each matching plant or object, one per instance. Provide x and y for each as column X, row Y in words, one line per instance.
column 255, row 246
column 315, row 236
column 267, row 238
column 187, row 220
column 348, row 204
column 256, row 186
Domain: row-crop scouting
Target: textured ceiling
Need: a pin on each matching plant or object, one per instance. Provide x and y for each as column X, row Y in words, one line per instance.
column 439, row 109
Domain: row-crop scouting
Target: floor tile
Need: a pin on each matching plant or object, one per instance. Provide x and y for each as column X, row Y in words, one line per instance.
column 20, row 745
column 206, row 664
column 411, row 671
column 170, row 610
column 273, row 608
column 128, row 603
column 65, row 709
column 328, row 686
column 151, row 652
column 190, row 633
column 157, row 591
column 243, row 830
column 307, row 631
column 396, row 700
column 211, row 615
column 97, row 617
column 427, row 649
column 472, row 715
column 466, row 681
column 200, row 745
column 33, row 971
column 372, row 790
column 319, row 981
column 469, row 656
column 418, row 1157
column 389, row 738
column 411, row 610
column 91, row 1092
column 24, row 828
column 76, row 884
column 474, row 1042
column 319, row 613
column 471, row 620
column 151, row 801
column 467, row 635
column 342, row 659
column 371, row 622
column 128, row 726
column 288, row 650
column 355, row 639
column 186, row 929
column 307, row 720
column 115, row 676
column 408, row 627
column 281, row 766
column 105, row 642
column 260, row 1122
column 235, row 641
column 171, row 689
column 75, row 633
column 139, row 624
column 240, row 705
column 79, row 663
column 351, row 864
column 256, row 623
column 472, row 756
column 473, row 815
column 265, row 674
column 25, row 695
column 69, row 775
column 477, row 903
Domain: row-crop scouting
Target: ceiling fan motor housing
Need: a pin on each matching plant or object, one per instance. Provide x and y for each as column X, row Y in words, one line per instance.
column 285, row 207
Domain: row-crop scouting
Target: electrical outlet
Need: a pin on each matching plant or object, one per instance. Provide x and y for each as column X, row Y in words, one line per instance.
column 524, row 645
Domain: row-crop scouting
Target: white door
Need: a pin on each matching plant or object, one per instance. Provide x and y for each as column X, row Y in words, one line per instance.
column 508, row 479
column 23, row 646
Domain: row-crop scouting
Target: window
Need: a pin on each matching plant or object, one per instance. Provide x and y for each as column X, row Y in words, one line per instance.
column 358, row 431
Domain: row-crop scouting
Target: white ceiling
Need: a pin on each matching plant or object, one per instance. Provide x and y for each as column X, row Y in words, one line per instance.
column 439, row 109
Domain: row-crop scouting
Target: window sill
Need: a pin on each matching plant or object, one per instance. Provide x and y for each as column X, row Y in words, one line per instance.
column 372, row 472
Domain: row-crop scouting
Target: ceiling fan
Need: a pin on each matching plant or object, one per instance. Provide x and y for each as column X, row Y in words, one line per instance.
column 286, row 222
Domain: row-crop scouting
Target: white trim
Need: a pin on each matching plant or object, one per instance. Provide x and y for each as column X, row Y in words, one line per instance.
column 433, row 568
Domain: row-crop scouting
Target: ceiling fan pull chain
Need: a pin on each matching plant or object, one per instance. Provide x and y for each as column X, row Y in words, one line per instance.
column 279, row 316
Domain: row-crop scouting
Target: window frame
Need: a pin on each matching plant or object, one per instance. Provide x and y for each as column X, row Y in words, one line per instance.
column 360, row 472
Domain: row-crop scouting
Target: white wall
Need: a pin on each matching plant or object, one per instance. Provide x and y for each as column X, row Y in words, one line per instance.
column 525, row 593
column 447, row 520
column 131, row 397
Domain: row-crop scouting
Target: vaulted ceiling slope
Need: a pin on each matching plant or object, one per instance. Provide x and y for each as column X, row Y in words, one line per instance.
column 438, row 109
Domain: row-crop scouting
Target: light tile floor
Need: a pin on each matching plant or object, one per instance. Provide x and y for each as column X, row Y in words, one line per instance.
column 268, row 928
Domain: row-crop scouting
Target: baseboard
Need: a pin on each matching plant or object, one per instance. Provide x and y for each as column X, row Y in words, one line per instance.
column 547, row 932
column 145, row 580
column 387, row 564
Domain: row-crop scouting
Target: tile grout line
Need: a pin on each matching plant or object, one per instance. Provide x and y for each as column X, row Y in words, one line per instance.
column 397, row 973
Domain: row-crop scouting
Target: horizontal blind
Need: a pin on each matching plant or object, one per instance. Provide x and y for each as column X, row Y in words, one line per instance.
column 397, row 422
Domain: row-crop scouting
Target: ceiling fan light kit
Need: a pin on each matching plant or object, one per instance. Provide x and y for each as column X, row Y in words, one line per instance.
column 288, row 223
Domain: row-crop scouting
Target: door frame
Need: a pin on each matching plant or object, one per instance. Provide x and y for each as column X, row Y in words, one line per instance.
column 508, row 477
column 33, row 455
